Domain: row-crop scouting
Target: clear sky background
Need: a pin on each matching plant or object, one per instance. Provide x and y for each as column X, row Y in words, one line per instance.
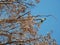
column 46, row 7
column 52, row 7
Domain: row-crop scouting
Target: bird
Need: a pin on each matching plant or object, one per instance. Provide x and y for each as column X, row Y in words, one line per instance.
column 42, row 20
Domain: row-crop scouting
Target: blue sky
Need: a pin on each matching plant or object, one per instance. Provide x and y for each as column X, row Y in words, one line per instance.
column 52, row 7
column 46, row 7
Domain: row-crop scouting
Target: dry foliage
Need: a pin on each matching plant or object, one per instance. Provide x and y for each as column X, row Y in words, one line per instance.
column 19, row 26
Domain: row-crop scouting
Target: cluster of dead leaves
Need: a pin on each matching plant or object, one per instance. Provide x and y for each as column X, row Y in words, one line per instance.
column 26, row 25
